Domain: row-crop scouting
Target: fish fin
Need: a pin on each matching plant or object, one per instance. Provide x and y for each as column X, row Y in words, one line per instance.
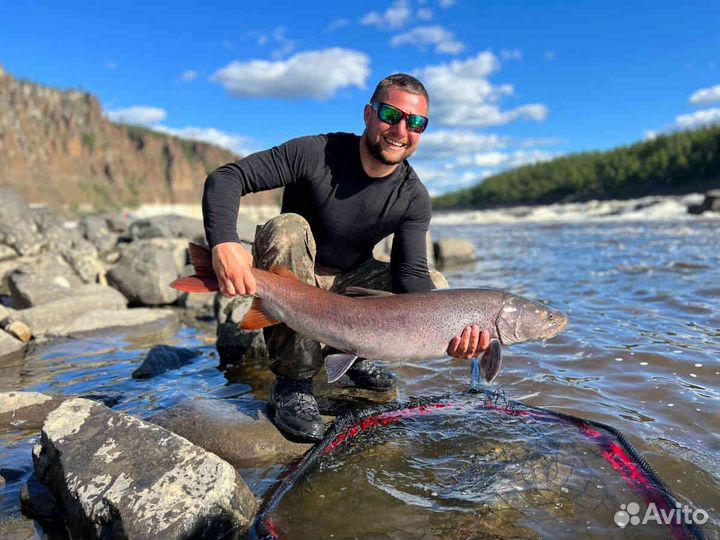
column 196, row 284
column 283, row 271
column 362, row 292
column 201, row 259
column 491, row 361
column 337, row 364
column 255, row 318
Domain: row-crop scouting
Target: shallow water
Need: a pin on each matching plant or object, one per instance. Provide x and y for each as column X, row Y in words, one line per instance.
column 641, row 353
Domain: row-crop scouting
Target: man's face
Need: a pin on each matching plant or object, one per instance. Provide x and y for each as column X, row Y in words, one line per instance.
column 392, row 144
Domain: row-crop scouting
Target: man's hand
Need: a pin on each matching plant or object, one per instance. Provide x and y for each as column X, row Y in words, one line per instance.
column 233, row 267
column 470, row 343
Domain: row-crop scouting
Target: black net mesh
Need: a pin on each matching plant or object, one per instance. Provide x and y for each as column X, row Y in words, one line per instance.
column 470, row 466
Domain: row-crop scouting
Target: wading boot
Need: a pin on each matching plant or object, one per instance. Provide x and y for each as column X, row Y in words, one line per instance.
column 294, row 410
column 368, row 375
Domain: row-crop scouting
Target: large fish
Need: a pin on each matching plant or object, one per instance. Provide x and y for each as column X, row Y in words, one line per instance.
column 412, row 326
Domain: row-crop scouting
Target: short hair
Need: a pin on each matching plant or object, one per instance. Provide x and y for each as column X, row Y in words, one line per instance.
column 401, row 81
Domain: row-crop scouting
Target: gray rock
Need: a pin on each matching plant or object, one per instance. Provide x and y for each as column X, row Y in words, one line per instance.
column 18, row 527
column 116, row 476
column 52, row 317
column 5, row 312
column 162, row 358
column 453, row 252
column 17, row 226
column 68, row 241
column 234, row 345
column 242, row 438
column 10, row 345
column 144, row 273
column 48, row 278
column 169, row 226
column 38, row 503
column 711, row 203
column 103, row 319
column 97, row 231
column 26, row 409
column 7, row 253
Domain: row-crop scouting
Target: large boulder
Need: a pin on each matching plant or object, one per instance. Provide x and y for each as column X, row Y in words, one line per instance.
column 27, row 410
column 68, row 241
column 162, row 358
column 241, row 435
column 53, row 316
column 48, row 278
column 169, row 226
column 454, row 252
column 116, row 476
column 97, row 230
column 103, row 319
column 17, row 226
column 144, row 273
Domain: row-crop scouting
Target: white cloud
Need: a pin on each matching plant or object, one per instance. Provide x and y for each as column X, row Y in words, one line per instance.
column 650, row 135
column 542, row 141
column 705, row 96
column 443, row 40
column 439, row 181
column 461, row 95
column 444, row 4
column 396, row 16
column 140, row 115
column 316, row 74
column 698, row 119
column 337, row 24
column 189, row 75
column 511, row 54
column 235, row 143
column 453, row 143
column 425, row 14
column 506, row 160
column 285, row 45
column 111, row 65
column 549, row 55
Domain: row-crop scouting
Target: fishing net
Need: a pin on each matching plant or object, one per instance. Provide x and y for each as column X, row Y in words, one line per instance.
column 473, row 465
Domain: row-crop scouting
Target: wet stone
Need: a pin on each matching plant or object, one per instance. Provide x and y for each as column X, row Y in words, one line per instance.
column 26, row 409
column 162, row 358
column 116, row 476
column 237, row 431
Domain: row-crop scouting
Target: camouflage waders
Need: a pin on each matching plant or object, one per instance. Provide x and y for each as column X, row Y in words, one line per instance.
column 288, row 241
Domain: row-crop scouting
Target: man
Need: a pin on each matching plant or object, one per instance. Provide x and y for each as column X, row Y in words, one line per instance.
column 343, row 194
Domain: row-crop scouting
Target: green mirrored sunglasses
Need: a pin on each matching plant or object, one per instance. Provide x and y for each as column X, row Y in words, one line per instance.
column 392, row 115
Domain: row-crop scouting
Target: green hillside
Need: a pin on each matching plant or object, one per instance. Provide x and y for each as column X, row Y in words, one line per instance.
column 678, row 163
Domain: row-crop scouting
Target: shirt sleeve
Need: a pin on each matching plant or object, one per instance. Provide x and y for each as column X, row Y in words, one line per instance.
column 408, row 260
column 269, row 169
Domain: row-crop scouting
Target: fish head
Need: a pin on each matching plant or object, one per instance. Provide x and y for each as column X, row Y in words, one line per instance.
column 521, row 320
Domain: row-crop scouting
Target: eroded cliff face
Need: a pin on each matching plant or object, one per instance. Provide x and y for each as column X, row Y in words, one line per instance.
column 57, row 148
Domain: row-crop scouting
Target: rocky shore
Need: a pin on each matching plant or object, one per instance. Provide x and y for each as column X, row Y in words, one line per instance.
column 100, row 472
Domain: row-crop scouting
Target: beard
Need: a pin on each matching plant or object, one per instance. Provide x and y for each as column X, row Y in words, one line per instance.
column 376, row 151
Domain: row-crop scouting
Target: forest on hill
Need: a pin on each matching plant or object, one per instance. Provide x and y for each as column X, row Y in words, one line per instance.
column 677, row 163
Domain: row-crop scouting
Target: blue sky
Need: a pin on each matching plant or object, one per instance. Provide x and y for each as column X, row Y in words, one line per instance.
column 510, row 82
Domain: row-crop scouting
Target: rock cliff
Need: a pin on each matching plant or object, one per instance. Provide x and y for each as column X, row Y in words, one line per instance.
column 57, row 148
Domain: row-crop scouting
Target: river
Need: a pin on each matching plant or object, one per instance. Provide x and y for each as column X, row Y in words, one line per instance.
column 639, row 281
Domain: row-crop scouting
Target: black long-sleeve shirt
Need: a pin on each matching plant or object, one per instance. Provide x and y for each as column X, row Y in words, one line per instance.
column 348, row 211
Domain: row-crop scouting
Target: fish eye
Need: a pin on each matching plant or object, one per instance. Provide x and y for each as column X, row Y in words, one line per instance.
column 550, row 315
